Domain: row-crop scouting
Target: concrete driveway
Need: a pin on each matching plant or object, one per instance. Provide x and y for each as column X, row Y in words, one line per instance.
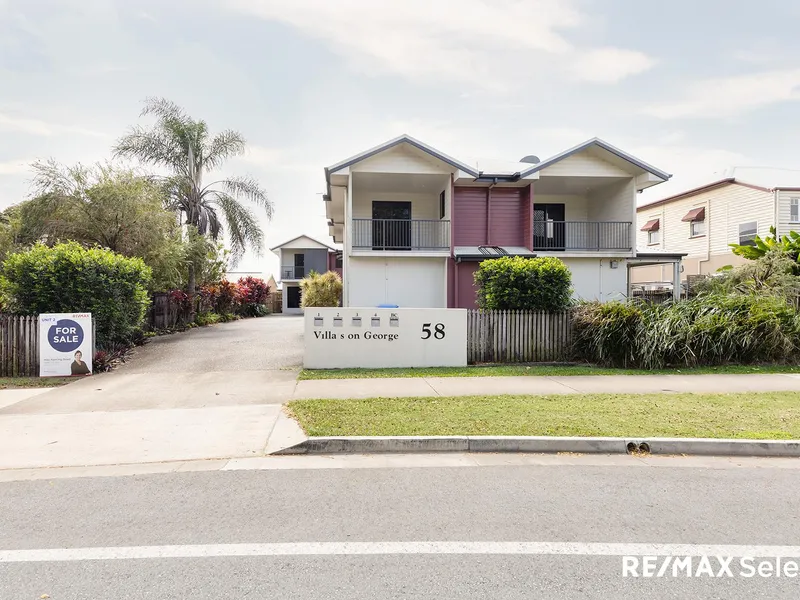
column 211, row 392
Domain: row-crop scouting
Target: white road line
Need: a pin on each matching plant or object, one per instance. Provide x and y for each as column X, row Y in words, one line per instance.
column 392, row 548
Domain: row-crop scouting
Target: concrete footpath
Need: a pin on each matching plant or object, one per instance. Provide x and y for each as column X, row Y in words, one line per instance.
column 597, row 384
column 132, row 418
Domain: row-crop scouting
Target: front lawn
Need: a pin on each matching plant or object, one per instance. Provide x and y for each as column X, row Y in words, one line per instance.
column 533, row 370
column 765, row 415
column 15, row 383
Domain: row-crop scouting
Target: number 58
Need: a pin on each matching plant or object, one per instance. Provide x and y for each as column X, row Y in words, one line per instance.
column 438, row 331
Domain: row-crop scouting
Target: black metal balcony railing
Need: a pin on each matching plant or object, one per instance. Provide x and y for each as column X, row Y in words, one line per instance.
column 293, row 272
column 401, row 234
column 582, row 235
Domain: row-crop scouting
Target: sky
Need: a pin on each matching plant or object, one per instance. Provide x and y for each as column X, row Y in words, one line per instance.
column 694, row 87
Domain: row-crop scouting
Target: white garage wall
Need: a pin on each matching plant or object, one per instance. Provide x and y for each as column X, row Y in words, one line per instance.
column 594, row 279
column 407, row 282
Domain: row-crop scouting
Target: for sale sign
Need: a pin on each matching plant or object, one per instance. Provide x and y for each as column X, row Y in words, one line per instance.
column 65, row 344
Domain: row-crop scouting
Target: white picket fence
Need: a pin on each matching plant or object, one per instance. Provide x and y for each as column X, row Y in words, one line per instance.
column 515, row 336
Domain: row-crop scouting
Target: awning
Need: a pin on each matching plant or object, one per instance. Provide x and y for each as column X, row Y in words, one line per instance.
column 696, row 214
column 652, row 225
column 472, row 253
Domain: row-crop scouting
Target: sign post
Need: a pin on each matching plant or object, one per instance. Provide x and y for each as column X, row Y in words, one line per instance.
column 65, row 344
column 338, row 338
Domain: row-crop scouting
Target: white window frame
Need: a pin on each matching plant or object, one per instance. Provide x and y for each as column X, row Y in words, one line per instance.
column 693, row 233
column 794, row 210
column 755, row 233
column 651, row 235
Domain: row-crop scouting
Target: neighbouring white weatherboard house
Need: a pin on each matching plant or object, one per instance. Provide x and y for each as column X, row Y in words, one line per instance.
column 702, row 222
column 298, row 257
column 415, row 223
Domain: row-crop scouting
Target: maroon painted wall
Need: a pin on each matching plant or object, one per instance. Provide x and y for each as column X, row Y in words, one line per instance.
column 506, row 219
column 469, row 210
column 527, row 217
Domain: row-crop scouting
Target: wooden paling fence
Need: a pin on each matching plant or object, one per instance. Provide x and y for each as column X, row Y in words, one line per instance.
column 515, row 336
column 276, row 302
column 19, row 346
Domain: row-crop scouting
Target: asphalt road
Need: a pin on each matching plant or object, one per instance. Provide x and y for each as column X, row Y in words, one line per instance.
column 670, row 503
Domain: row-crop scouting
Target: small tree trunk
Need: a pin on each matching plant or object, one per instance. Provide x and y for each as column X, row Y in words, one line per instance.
column 192, row 285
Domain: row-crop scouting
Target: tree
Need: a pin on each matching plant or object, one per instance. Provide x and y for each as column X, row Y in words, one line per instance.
column 107, row 206
column 104, row 205
column 184, row 147
column 789, row 243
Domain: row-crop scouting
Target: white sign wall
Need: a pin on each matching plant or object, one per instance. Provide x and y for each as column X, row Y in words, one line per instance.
column 339, row 338
column 65, row 344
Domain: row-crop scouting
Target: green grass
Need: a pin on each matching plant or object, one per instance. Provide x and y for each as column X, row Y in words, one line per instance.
column 14, row 383
column 764, row 415
column 532, row 370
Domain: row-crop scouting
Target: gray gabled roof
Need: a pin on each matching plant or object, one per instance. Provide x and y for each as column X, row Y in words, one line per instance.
column 303, row 235
column 600, row 144
column 403, row 139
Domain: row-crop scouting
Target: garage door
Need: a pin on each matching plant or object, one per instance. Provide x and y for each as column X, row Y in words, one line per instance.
column 406, row 282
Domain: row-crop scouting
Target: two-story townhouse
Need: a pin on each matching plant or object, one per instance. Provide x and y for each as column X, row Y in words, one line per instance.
column 704, row 221
column 298, row 257
column 415, row 222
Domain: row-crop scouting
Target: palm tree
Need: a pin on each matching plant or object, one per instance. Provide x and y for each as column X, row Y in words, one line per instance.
column 184, row 147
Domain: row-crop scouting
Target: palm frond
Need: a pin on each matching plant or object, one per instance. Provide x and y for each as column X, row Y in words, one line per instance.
column 225, row 145
column 247, row 188
column 159, row 147
column 243, row 230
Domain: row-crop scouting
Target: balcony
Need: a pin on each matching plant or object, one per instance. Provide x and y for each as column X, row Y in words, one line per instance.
column 401, row 234
column 554, row 236
column 293, row 273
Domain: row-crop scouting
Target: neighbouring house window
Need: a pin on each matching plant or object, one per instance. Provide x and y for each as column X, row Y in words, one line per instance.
column 441, row 205
column 653, row 237
column 697, row 221
column 794, row 210
column 747, row 233
column 653, row 230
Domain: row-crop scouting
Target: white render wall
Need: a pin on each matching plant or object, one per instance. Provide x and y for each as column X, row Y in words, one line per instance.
column 406, row 282
column 594, row 279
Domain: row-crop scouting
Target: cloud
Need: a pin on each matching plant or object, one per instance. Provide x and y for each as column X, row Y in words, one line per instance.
column 484, row 43
column 15, row 167
column 731, row 96
column 41, row 128
column 692, row 166
column 610, row 65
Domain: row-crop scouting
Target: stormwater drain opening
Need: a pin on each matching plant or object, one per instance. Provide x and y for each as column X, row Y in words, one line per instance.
column 638, row 448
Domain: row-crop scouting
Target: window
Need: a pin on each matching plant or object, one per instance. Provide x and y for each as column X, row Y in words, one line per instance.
column 441, row 206
column 747, row 233
column 697, row 228
column 653, row 237
column 794, row 210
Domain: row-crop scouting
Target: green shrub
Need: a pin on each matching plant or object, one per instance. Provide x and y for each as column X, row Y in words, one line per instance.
column 71, row 278
column 207, row 318
column 321, row 290
column 517, row 283
column 706, row 330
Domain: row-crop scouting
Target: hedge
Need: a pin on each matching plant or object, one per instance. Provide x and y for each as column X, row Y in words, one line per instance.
column 71, row 278
column 517, row 283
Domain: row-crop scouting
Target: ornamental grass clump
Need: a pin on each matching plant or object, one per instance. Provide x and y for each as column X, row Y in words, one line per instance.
column 704, row 331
